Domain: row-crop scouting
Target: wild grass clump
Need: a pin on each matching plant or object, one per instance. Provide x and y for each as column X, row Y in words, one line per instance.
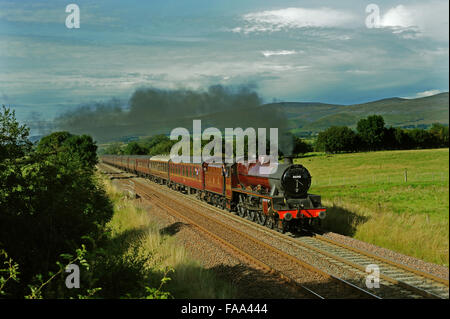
column 139, row 254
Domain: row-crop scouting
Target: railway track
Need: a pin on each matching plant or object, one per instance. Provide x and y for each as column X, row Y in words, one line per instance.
column 403, row 281
column 411, row 282
column 312, row 281
column 396, row 280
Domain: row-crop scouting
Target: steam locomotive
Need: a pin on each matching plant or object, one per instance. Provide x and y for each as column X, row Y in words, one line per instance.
column 274, row 195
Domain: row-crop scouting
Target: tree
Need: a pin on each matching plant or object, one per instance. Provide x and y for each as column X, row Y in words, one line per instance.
column 403, row 140
column 301, row 147
column 113, row 149
column 80, row 148
column 371, row 131
column 14, row 141
column 134, row 148
column 422, row 138
column 337, row 139
column 49, row 199
column 441, row 134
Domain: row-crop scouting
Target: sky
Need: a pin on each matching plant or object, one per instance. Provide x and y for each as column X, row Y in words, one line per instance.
column 321, row 51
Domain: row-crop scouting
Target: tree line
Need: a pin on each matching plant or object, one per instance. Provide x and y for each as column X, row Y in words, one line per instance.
column 162, row 144
column 372, row 135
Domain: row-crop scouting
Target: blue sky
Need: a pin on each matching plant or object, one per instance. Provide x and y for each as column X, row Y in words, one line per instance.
column 288, row 50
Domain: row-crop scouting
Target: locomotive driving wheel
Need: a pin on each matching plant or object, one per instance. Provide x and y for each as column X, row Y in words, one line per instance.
column 261, row 218
column 270, row 222
column 240, row 207
column 251, row 214
column 223, row 203
column 242, row 211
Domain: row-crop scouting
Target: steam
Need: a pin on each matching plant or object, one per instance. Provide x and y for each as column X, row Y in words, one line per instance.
column 152, row 111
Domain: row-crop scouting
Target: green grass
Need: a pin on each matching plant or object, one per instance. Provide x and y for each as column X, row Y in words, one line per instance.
column 369, row 199
column 139, row 253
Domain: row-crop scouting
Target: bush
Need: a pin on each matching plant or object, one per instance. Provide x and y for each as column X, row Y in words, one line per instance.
column 337, row 139
column 49, row 200
column 301, row 147
column 135, row 148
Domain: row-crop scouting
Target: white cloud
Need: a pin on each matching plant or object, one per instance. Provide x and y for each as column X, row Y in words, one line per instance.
column 428, row 93
column 430, row 20
column 398, row 16
column 290, row 18
column 281, row 52
column 423, row 94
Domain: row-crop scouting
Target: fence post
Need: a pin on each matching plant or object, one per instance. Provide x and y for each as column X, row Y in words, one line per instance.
column 406, row 175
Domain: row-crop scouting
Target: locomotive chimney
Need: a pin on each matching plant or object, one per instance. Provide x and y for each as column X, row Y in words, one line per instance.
column 288, row 159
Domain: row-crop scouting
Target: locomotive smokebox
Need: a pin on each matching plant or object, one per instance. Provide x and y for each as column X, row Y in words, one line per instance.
column 289, row 159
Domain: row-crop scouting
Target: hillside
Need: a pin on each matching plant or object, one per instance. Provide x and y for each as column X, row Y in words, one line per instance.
column 398, row 112
column 299, row 117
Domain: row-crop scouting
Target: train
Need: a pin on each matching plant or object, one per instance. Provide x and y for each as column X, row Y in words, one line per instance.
column 275, row 196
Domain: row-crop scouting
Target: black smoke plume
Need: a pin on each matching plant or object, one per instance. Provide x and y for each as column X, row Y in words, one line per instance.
column 152, row 111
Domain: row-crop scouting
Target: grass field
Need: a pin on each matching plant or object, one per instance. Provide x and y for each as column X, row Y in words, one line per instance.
column 145, row 253
column 369, row 198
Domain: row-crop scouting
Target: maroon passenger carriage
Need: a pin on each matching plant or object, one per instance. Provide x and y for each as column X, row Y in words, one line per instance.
column 274, row 195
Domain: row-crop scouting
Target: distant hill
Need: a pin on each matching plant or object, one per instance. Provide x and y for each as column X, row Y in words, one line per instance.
column 299, row 117
column 397, row 112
